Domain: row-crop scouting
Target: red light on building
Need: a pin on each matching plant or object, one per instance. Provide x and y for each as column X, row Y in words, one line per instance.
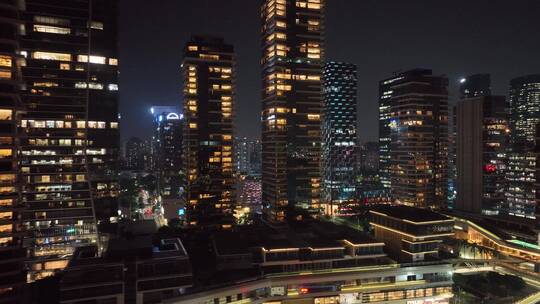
column 490, row 168
column 304, row 290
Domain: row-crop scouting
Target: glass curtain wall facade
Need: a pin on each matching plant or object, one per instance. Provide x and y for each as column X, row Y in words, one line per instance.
column 209, row 94
column 520, row 175
column 339, row 151
column 69, row 142
column 292, row 60
column 167, row 142
column 419, row 133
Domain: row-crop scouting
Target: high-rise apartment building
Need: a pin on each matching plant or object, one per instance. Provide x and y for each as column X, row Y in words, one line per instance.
column 339, row 149
column 12, row 253
column 524, row 117
column 482, row 133
column 69, row 124
column 134, row 154
column 292, row 61
column 419, row 138
column 68, row 149
column 168, row 151
column 209, row 91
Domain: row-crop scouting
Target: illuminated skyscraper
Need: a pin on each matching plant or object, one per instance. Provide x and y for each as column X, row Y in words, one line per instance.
column 525, row 116
column 209, row 92
column 339, row 150
column 292, row 61
column 419, row 138
column 482, row 134
column 385, row 93
column 12, row 253
column 69, row 150
column 168, row 151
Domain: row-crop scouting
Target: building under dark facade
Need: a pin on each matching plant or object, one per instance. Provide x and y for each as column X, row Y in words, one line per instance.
column 482, row 141
column 475, row 85
column 369, row 158
column 292, row 60
column 247, row 158
column 168, row 151
column 134, row 154
column 339, row 146
column 419, row 138
column 66, row 60
column 471, row 86
column 141, row 267
column 524, row 117
column 208, row 70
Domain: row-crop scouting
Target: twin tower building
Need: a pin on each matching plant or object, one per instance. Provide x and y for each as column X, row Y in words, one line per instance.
column 308, row 118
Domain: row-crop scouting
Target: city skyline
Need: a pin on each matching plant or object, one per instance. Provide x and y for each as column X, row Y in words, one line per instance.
column 381, row 37
column 374, row 151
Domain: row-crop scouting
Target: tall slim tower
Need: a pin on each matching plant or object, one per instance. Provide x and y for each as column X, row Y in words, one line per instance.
column 12, row 253
column 419, row 133
column 524, row 117
column 292, row 61
column 385, row 119
column 69, row 149
column 168, row 151
column 339, row 151
column 208, row 70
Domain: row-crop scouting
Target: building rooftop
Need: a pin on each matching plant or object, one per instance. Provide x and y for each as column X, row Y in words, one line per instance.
column 411, row 214
column 313, row 233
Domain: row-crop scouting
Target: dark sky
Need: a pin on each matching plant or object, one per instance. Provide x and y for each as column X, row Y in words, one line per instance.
column 453, row 37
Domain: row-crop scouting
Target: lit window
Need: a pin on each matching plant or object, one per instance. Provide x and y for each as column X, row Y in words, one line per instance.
column 113, row 87
column 65, row 66
column 192, row 48
column 209, row 57
column 47, row 84
column 5, row 74
column 95, row 86
column 4, row 153
column 193, row 126
column 52, row 29
column 96, row 25
column 51, row 56
column 5, row 61
column 113, row 61
column 51, row 20
column 5, row 114
column 80, row 85
column 114, row 125
column 93, row 59
column 314, row 116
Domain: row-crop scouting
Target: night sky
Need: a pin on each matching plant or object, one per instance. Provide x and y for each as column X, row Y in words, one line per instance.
column 452, row 37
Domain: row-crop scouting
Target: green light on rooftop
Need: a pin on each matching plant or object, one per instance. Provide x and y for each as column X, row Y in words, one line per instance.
column 524, row 244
